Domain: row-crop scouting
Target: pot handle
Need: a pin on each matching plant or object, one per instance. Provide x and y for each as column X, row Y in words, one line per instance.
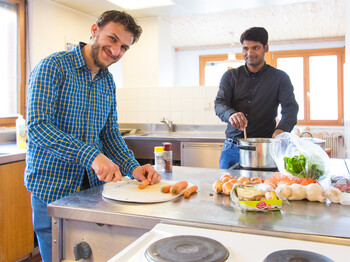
column 250, row 148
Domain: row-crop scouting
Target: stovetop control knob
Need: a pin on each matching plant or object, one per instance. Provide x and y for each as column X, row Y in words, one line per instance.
column 82, row 250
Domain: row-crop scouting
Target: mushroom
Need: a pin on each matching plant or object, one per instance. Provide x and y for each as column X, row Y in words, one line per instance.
column 284, row 192
column 314, row 192
column 333, row 194
column 298, row 192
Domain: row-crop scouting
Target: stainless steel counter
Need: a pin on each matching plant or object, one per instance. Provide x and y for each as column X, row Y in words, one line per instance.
column 179, row 136
column 10, row 153
column 298, row 220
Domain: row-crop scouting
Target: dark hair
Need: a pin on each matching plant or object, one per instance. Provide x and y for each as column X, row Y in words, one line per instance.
column 258, row 34
column 123, row 18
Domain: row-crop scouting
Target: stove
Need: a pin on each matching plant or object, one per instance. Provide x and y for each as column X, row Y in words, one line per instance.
column 240, row 247
column 186, row 248
column 295, row 255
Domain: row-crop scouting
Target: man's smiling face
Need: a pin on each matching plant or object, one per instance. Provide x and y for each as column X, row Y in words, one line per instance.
column 109, row 43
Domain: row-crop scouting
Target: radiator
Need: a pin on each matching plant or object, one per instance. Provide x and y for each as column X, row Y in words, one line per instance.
column 335, row 141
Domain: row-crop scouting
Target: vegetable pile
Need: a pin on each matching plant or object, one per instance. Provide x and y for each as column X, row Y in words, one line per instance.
column 297, row 166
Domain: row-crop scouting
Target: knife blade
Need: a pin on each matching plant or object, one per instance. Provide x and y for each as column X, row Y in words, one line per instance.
column 129, row 180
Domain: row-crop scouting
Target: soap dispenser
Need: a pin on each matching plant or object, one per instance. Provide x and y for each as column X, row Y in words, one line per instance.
column 21, row 137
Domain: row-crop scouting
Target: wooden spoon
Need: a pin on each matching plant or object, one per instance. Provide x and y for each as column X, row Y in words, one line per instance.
column 245, row 133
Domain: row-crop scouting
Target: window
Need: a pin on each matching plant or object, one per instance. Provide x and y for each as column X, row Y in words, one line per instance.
column 316, row 75
column 212, row 67
column 12, row 64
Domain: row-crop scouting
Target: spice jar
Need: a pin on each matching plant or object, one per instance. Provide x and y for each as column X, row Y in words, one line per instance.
column 168, row 157
column 158, row 158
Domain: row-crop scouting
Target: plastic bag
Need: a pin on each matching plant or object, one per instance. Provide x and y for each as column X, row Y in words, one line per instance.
column 297, row 157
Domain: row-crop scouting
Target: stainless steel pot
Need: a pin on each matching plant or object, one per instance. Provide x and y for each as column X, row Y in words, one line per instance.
column 255, row 153
column 317, row 141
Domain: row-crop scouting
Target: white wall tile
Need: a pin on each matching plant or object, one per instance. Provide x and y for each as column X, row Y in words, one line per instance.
column 182, row 105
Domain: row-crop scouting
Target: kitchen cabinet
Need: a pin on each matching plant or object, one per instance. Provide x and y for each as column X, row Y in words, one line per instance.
column 199, row 154
column 17, row 236
column 188, row 150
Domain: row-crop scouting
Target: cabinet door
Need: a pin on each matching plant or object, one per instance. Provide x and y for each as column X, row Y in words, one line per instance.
column 197, row 154
column 16, row 237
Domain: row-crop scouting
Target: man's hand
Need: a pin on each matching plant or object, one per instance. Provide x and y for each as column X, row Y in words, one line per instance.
column 277, row 132
column 105, row 169
column 146, row 172
column 238, row 120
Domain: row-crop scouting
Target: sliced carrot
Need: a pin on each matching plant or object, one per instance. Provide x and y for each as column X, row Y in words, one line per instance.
column 165, row 189
column 190, row 191
column 144, row 183
column 178, row 187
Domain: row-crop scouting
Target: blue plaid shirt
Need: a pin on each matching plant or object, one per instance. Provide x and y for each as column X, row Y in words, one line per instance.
column 71, row 119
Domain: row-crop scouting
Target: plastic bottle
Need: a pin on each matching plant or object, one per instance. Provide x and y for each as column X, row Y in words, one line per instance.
column 158, row 158
column 168, row 156
column 21, row 137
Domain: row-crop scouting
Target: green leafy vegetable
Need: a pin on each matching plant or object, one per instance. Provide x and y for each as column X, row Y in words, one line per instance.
column 296, row 165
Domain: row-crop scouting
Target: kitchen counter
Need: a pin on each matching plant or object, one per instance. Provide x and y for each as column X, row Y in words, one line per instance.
column 179, row 136
column 301, row 220
column 10, row 153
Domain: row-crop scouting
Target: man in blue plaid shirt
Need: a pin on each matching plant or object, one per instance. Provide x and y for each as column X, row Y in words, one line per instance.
column 74, row 139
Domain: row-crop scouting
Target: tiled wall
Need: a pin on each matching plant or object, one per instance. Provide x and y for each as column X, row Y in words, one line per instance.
column 182, row 105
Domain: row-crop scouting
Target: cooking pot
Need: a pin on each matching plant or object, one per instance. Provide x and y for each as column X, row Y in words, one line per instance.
column 317, row 141
column 254, row 153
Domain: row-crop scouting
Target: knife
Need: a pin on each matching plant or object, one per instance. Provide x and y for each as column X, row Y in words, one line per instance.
column 130, row 181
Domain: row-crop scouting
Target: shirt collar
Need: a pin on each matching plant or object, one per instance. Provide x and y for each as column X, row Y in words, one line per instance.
column 260, row 72
column 80, row 60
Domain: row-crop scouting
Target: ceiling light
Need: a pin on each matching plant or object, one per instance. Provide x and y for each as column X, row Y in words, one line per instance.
column 140, row 4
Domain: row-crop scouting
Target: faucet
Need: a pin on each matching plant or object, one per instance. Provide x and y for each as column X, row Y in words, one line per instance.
column 168, row 123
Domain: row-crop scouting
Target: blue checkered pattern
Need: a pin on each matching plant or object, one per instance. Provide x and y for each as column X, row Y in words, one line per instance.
column 70, row 119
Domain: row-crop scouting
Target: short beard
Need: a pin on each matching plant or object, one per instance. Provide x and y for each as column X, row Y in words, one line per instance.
column 95, row 49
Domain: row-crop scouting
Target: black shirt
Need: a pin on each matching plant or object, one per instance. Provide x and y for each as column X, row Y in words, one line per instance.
column 258, row 96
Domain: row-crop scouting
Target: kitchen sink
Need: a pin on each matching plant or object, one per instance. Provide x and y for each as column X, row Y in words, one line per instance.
column 178, row 134
column 165, row 134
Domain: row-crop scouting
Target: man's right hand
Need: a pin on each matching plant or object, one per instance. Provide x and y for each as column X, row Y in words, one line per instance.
column 238, row 120
column 105, row 169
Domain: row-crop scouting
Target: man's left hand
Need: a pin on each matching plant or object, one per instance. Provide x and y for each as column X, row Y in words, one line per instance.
column 146, row 172
column 277, row 132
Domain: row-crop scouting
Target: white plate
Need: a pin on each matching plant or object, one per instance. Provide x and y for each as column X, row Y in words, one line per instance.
column 129, row 192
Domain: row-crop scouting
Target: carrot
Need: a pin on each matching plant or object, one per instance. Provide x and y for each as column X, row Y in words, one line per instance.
column 165, row 189
column 144, row 183
column 190, row 190
column 178, row 187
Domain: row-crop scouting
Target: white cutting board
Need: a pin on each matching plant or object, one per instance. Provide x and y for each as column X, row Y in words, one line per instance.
column 129, row 192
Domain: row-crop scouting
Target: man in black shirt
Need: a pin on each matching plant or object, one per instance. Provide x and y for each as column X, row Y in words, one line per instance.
column 249, row 97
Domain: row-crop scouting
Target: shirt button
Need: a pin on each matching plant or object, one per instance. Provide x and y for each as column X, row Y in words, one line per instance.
column 248, row 102
column 246, row 114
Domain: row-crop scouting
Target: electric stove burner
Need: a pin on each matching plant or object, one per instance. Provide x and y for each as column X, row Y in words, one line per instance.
column 294, row 255
column 186, row 248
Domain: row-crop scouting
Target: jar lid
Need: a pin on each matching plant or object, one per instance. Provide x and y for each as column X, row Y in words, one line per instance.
column 158, row 149
column 167, row 146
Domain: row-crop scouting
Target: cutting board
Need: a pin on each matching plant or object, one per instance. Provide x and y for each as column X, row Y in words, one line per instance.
column 129, row 192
